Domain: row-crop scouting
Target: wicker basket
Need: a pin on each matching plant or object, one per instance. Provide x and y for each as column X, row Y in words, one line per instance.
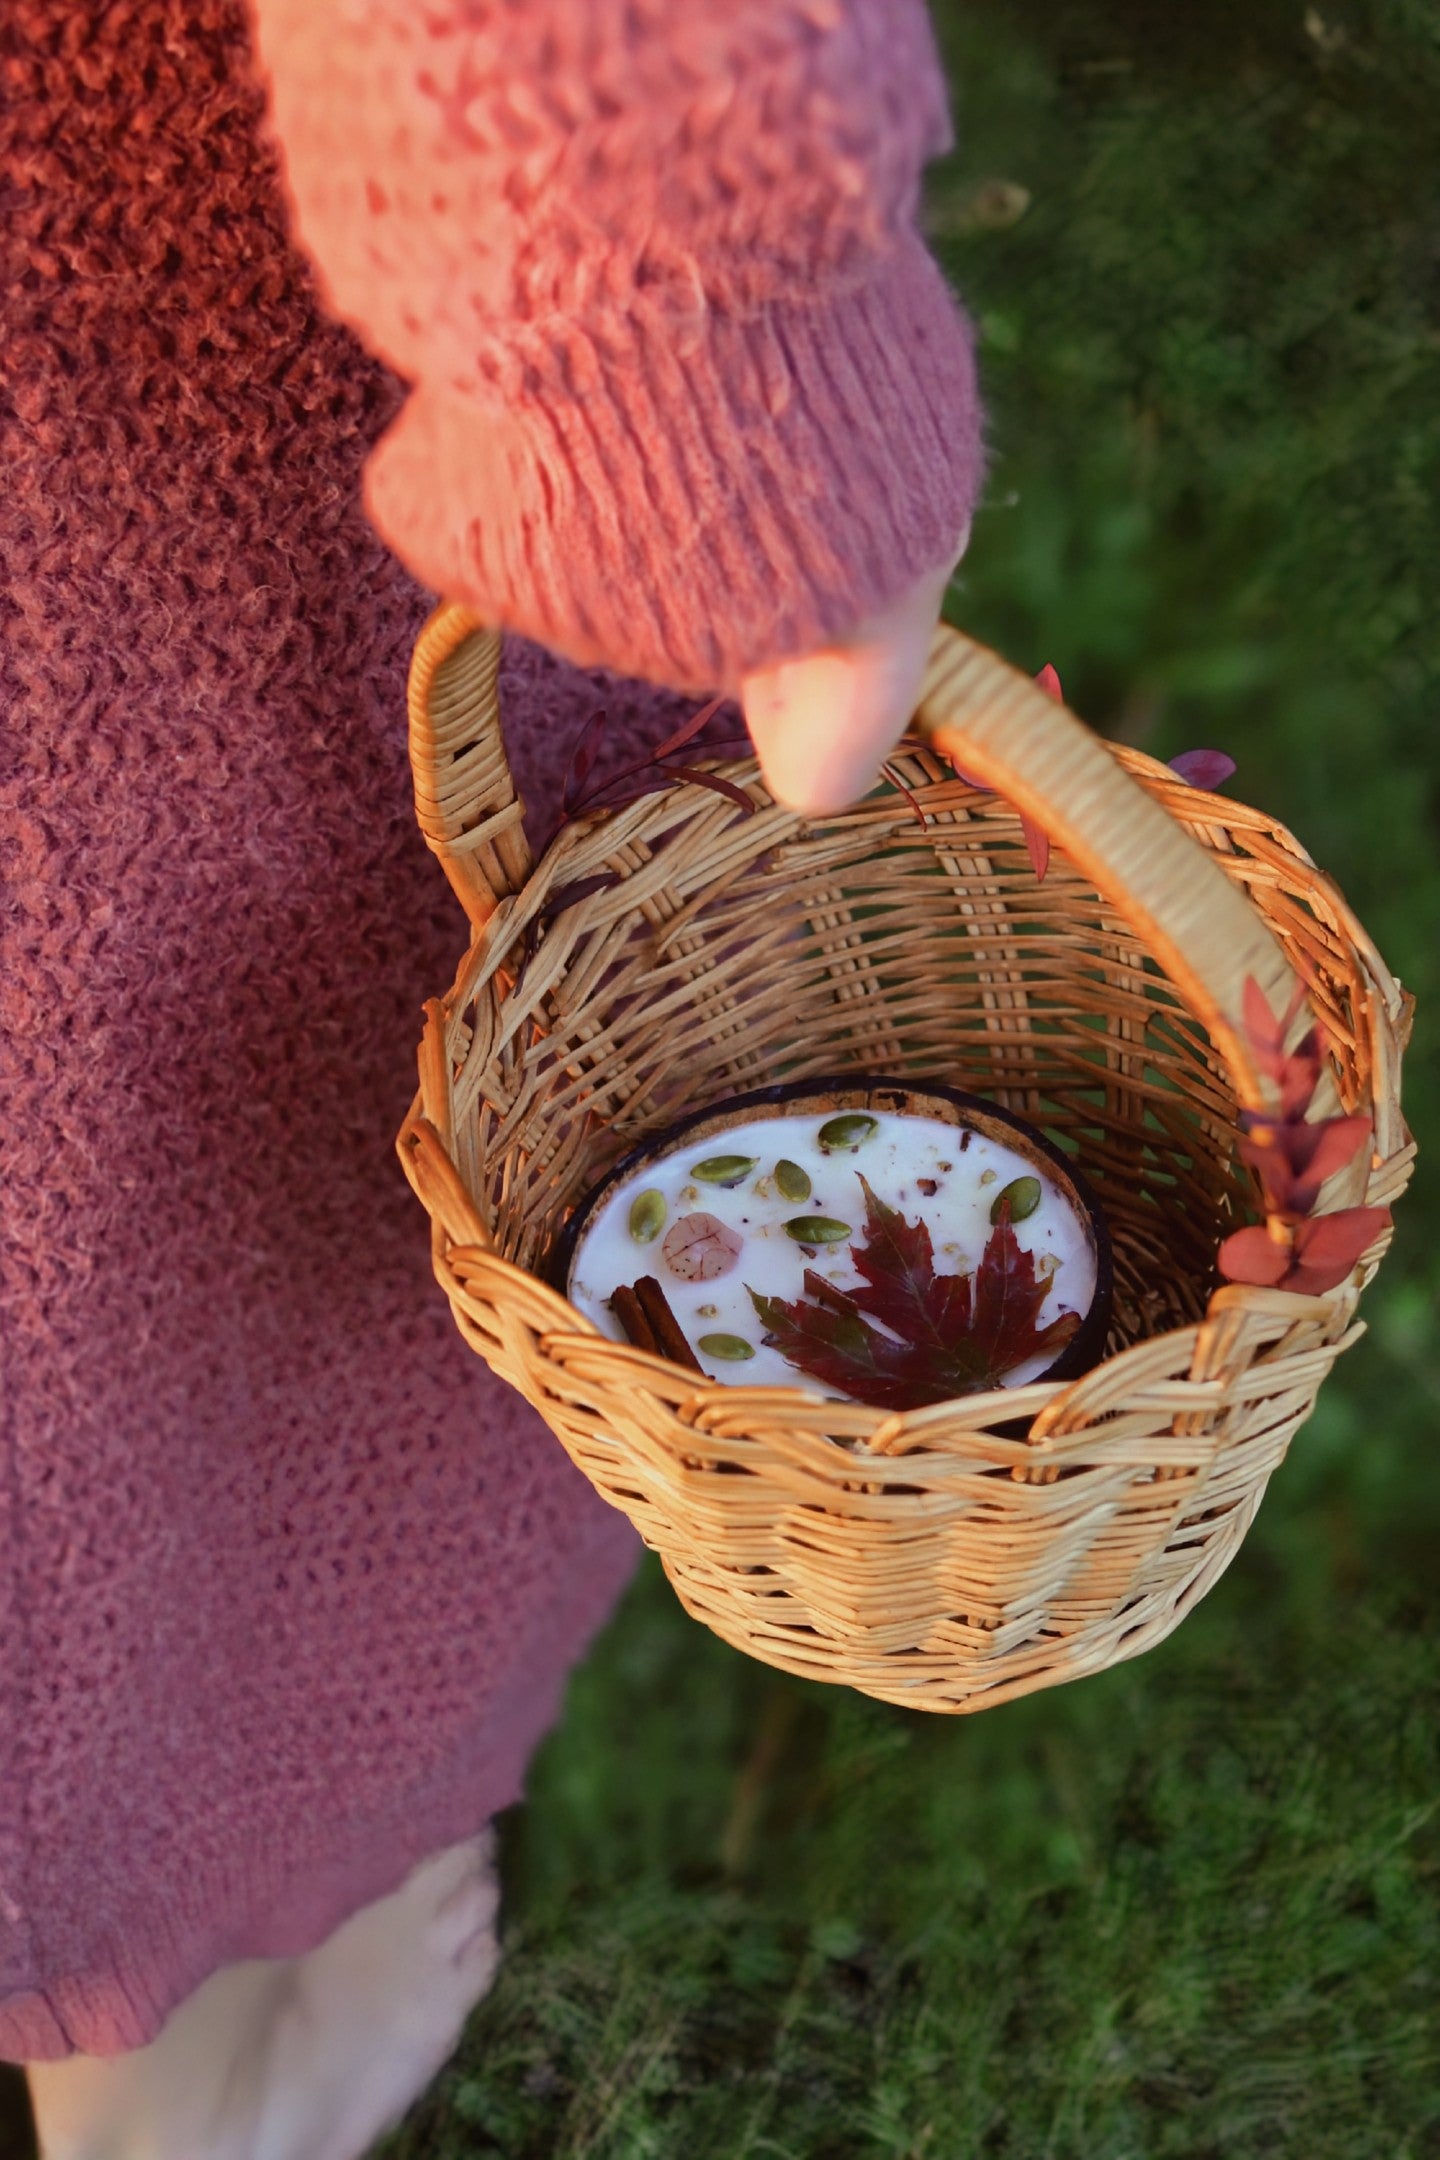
column 680, row 950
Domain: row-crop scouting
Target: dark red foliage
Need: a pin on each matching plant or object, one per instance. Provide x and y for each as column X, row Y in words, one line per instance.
column 1292, row 1157
column 650, row 775
column 944, row 1335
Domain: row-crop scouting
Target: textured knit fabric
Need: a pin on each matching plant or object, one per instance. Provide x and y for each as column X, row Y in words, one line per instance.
column 288, row 1584
column 612, row 241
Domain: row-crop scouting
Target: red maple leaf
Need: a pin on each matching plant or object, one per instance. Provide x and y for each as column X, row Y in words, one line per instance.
column 939, row 1336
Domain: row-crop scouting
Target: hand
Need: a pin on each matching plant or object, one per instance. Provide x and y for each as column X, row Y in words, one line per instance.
column 824, row 724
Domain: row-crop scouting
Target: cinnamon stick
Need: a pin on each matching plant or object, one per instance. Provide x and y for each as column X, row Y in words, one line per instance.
column 668, row 1333
column 627, row 1310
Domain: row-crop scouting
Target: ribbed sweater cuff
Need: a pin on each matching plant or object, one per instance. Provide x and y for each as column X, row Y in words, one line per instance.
column 686, row 507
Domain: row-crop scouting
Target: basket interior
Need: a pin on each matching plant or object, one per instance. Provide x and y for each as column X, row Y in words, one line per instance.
column 682, row 951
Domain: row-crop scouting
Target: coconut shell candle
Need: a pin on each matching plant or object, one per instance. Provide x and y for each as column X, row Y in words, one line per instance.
column 890, row 1245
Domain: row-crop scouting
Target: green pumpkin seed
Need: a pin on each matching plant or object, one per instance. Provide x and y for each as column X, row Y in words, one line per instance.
column 791, row 1181
column 732, row 1348
column 817, row 1230
column 850, row 1131
column 724, row 1169
column 1019, row 1198
column 647, row 1216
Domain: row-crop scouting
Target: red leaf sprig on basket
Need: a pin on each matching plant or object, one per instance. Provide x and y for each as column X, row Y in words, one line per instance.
column 1197, row 768
column 650, row 774
column 939, row 1335
column 1037, row 840
column 1292, row 1157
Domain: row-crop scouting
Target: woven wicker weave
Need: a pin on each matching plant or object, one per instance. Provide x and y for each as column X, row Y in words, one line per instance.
column 931, row 1558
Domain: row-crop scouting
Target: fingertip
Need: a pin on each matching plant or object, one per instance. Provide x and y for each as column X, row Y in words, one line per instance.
column 824, row 725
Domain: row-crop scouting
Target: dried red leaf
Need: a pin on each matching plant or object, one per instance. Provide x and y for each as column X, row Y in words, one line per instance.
column 1037, row 842
column 582, row 759
column 1293, row 1159
column 1253, row 1256
column 1265, row 1030
column 716, row 782
column 947, row 1335
column 1324, row 1252
column 1328, row 1246
column 689, row 731
column 1206, row 769
column 896, row 782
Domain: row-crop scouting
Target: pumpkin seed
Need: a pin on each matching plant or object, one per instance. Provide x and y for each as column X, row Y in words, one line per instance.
column 792, row 1183
column 817, row 1230
column 732, row 1348
column 724, row 1169
column 1019, row 1198
column 850, row 1131
column 647, row 1216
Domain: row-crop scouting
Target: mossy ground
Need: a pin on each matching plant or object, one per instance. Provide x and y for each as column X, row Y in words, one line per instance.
column 1188, row 1908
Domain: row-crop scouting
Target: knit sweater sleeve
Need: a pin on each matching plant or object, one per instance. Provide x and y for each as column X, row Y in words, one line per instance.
column 688, row 393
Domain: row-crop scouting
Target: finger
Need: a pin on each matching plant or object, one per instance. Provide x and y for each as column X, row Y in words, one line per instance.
column 823, row 725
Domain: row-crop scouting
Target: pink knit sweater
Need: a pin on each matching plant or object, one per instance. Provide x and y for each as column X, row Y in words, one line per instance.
column 288, row 1584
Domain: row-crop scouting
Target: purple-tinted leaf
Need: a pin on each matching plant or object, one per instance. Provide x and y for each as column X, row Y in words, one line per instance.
column 715, row 782
column 981, row 787
column 689, row 731
column 582, row 758
column 568, row 896
column 1207, row 769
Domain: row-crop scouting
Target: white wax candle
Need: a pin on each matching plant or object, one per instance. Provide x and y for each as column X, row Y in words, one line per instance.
column 943, row 1175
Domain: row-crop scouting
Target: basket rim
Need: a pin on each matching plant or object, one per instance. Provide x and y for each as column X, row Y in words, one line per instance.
column 833, row 1433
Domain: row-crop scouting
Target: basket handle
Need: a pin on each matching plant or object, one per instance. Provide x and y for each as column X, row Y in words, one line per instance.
column 465, row 797
column 973, row 707
column 1009, row 734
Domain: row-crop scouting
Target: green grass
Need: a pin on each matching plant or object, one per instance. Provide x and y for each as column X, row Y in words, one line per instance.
column 1188, row 1908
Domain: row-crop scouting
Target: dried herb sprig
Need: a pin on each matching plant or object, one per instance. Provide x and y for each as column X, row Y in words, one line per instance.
column 1292, row 1156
